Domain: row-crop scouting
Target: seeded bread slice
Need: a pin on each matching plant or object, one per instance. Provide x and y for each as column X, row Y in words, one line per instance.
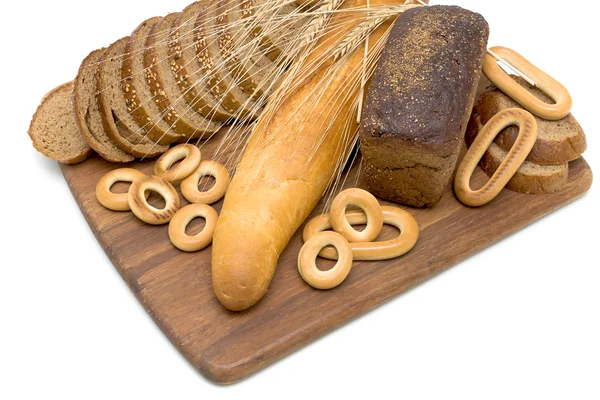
column 87, row 112
column 214, row 68
column 249, row 67
column 160, row 77
column 53, row 129
column 558, row 141
column 276, row 25
column 117, row 122
column 138, row 95
column 531, row 178
column 181, row 59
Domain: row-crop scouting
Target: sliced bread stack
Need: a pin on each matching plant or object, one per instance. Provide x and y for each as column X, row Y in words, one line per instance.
column 546, row 169
column 173, row 79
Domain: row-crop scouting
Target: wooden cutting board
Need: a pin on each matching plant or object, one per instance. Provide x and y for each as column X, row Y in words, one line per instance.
column 175, row 287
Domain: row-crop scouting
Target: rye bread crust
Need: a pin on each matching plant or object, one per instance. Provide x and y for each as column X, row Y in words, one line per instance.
column 138, row 94
column 87, row 112
column 183, row 62
column 117, row 122
column 419, row 103
column 169, row 99
column 558, row 141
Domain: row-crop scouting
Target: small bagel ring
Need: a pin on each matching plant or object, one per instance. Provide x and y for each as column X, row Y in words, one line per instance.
column 116, row 201
column 368, row 203
column 371, row 251
column 190, row 159
column 189, row 186
column 183, row 217
column 307, row 261
column 146, row 212
column 509, row 166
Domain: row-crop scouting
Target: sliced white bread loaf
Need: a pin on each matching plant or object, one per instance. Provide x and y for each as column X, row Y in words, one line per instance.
column 558, row 141
column 87, row 111
column 53, row 129
column 531, row 178
column 168, row 97
column 138, row 94
column 118, row 123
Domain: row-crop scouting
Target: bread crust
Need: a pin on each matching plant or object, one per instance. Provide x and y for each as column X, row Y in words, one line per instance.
column 86, row 107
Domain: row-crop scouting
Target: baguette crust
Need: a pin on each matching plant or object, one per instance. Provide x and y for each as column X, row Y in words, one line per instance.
column 285, row 169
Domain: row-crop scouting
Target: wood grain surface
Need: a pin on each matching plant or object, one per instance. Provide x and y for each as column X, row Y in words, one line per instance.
column 175, row 287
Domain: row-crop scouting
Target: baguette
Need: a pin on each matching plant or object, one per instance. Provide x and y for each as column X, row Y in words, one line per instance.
column 287, row 166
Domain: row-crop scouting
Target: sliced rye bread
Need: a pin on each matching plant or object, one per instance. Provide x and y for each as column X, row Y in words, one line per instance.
column 531, row 178
column 118, row 123
column 53, row 129
column 169, row 99
column 138, row 94
column 87, row 112
column 276, row 25
column 250, row 68
column 203, row 57
column 181, row 59
column 558, row 141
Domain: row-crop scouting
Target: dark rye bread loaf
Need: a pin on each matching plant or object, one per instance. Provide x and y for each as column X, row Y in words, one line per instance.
column 160, row 77
column 138, row 94
column 53, row 129
column 87, row 112
column 214, row 69
column 557, row 141
column 530, row 178
column 253, row 70
column 182, row 59
column 419, row 103
column 117, row 122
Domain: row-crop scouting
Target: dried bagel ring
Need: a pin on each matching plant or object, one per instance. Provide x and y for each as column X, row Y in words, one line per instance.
column 144, row 211
column 371, row 251
column 189, row 186
column 509, row 166
column 307, row 261
column 368, row 203
column 549, row 85
column 116, row 201
column 190, row 158
column 181, row 220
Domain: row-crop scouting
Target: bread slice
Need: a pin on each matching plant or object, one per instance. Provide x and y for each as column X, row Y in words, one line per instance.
column 118, row 123
column 276, row 26
column 138, row 94
column 87, row 112
column 531, row 178
column 558, row 141
column 253, row 71
column 182, row 59
column 214, row 69
column 53, row 129
column 175, row 109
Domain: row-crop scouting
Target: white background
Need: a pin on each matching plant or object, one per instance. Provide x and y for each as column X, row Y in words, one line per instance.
column 518, row 321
